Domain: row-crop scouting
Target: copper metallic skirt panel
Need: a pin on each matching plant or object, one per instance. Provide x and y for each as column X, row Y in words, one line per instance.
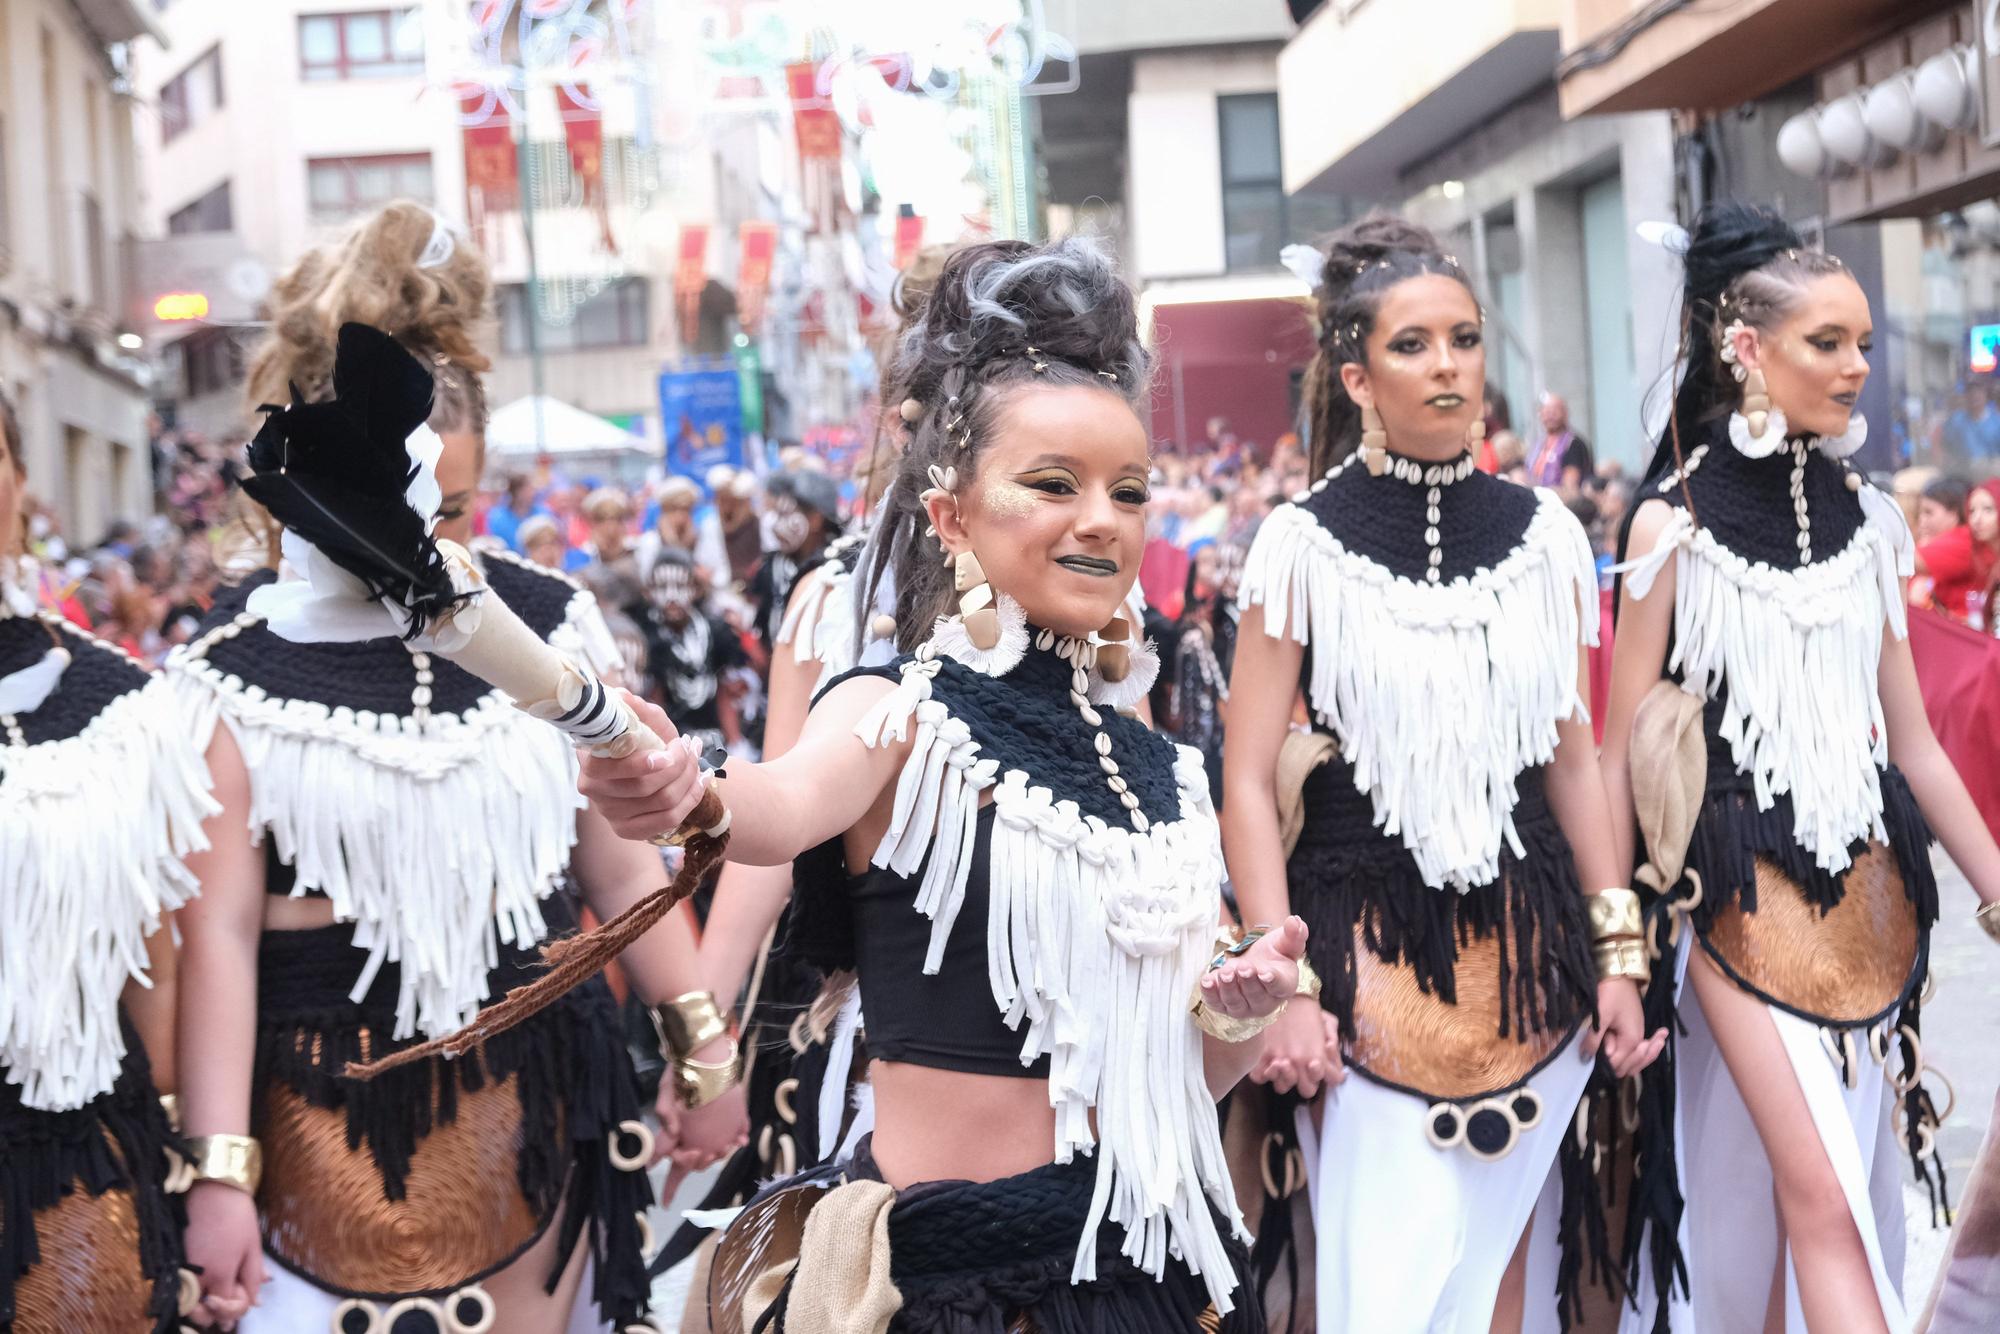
column 89, row 1275
column 461, row 1218
column 1417, row 1040
column 1845, row 967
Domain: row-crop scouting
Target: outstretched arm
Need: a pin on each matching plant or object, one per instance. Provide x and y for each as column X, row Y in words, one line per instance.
column 818, row 790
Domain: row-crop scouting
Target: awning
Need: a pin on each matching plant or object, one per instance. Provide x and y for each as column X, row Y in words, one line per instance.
column 558, row 429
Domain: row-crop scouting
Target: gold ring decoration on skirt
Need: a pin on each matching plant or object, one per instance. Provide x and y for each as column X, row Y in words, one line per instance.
column 1846, row 967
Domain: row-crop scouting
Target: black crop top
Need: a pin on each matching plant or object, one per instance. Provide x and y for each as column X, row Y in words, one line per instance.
column 947, row 1020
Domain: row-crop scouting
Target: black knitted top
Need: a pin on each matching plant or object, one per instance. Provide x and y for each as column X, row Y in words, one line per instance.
column 1748, row 506
column 864, row 921
column 377, row 676
column 1348, row 878
column 97, row 674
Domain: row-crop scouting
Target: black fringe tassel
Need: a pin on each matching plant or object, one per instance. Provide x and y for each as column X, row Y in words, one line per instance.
column 1536, row 908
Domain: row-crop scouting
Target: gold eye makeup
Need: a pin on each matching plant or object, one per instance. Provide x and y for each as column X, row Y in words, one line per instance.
column 1007, row 500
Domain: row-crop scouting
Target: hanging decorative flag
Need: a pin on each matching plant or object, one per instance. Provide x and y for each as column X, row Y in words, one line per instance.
column 691, row 275
column 813, row 117
column 759, row 240
column 583, row 129
column 909, row 237
column 492, row 172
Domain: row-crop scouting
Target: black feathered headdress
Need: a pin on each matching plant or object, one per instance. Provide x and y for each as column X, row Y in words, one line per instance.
column 340, row 474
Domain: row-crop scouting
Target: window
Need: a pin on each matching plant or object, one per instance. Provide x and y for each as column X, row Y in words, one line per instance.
column 210, row 362
column 209, row 213
column 615, row 317
column 374, row 44
column 1253, row 191
column 192, row 96
column 340, row 187
column 95, row 257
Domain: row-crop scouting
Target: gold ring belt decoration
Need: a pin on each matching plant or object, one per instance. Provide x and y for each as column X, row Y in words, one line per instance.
column 1450, row 1054
column 89, row 1276
column 1850, row 966
column 461, row 1217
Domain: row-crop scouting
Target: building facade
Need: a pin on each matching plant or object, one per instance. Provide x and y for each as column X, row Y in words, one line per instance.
column 265, row 129
column 1872, row 126
column 1170, row 144
column 1449, row 111
column 68, row 208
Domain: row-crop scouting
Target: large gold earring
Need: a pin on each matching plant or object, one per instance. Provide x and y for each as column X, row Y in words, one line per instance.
column 975, row 601
column 1756, row 402
column 1374, row 441
column 1114, row 655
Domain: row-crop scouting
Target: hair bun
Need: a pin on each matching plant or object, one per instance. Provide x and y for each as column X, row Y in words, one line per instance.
column 1729, row 239
column 1379, row 238
column 997, row 299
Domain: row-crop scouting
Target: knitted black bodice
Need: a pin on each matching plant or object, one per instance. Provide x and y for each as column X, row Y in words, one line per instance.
column 1023, row 720
column 1482, row 519
column 97, row 674
column 1746, row 504
column 375, row 675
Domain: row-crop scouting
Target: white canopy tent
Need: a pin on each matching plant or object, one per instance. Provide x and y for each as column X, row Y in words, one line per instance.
column 576, row 440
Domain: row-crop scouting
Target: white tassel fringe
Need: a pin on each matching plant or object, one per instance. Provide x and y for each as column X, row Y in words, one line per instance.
column 1440, row 694
column 97, row 826
column 1796, row 652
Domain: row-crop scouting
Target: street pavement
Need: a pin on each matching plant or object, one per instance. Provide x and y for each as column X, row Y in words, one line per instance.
column 1959, row 1042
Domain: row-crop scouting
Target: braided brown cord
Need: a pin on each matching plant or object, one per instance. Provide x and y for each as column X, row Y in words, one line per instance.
column 574, row 960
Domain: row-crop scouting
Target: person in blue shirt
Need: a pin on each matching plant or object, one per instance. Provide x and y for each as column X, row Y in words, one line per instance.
column 504, row 519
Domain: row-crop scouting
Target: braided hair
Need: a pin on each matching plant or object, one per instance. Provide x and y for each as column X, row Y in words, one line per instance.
column 1363, row 261
column 1744, row 263
column 967, row 352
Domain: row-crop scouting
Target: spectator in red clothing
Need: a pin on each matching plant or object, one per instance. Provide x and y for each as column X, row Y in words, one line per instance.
column 1961, row 560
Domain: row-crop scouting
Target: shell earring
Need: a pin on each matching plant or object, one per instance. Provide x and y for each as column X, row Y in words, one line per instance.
column 975, row 601
column 1114, row 655
column 1475, row 434
column 1756, row 402
column 1374, row 442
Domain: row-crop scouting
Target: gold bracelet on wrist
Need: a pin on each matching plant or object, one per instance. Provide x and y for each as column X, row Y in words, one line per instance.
column 1988, row 918
column 1618, row 936
column 687, row 1023
column 699, row 1083
column 171, row 1105
column 1615, row 915
column 1224, row 1028
column 232, row 1160
column 1622, row 959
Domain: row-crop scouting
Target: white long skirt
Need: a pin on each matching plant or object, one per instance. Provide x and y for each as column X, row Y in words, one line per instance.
column 1413, row 1239
column 1729, row 1228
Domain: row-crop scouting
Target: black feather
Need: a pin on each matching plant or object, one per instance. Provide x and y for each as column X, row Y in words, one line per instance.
column 334, row 472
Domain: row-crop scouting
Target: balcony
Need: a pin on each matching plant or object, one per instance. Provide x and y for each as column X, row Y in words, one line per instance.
column 1709, row 57
column 1367, row 87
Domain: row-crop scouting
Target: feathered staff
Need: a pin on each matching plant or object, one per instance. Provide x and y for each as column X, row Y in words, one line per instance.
column 352, row 481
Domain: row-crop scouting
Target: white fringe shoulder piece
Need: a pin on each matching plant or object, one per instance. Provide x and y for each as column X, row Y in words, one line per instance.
column 1096, row 939
column 1793, row 654
column 436, row 835
column 1439, row 694
column 93, row 827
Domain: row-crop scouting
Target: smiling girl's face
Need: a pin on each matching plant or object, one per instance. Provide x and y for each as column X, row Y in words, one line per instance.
column 1057, row 510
